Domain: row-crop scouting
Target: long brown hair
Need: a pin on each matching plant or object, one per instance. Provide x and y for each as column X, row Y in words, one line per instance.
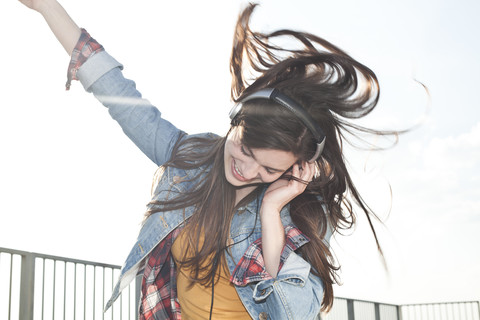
column 332, row 87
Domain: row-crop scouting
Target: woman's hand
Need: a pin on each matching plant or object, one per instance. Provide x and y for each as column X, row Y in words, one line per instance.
column 282, row 191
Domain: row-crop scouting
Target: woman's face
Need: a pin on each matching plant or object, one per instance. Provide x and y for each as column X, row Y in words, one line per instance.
column 245, row 166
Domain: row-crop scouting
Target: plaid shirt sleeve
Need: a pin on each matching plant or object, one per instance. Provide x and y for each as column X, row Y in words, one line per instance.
column 159, row 289
column 85, row 48
column 251, row 266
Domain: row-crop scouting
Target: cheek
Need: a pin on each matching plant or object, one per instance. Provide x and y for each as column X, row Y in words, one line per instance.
column 231, row 149
column 268, row 178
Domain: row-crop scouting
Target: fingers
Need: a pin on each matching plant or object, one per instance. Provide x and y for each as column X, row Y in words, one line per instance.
column 304, row 172
column 282, row 191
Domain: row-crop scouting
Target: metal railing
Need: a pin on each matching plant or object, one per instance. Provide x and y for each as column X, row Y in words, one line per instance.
column 61, row 288
column 39, row 286
column 469, row 310
column 352, row 309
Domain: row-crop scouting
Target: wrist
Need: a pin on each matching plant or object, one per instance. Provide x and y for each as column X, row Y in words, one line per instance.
column 45, row 7
column 267, row 210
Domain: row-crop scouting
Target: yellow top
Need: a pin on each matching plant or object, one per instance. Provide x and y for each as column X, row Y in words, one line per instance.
column 195, row 301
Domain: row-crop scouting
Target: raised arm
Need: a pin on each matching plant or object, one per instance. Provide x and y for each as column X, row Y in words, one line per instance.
column 63, row 27
column 101, row 75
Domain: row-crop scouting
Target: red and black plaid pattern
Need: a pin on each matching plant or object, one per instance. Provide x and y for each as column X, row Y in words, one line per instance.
column 159, row 285
column 251, row 266
column 86, row 47
column 159, row 288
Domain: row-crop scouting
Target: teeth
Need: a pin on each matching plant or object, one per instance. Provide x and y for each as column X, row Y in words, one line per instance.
column 236, row 169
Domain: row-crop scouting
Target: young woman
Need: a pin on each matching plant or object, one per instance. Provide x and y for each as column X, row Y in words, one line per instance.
column 239, row 225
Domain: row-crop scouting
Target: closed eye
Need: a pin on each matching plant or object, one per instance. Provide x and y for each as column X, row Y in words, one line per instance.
column 271, row 171
column 267, row 169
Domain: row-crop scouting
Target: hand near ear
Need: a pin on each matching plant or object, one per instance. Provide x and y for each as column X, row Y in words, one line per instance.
column 282, row 191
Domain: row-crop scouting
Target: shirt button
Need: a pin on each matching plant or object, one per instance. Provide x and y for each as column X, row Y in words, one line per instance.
column 263, row 316
column 262, row 292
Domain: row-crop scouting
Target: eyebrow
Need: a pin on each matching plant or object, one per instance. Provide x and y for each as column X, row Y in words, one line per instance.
column 266, row 167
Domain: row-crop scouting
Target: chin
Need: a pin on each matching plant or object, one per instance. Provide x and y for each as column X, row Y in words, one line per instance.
column 234, row 181
column 241, row 185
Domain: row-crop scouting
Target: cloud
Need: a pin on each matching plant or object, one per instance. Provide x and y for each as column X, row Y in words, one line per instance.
column 435, row 217
column 457, row 158
column 442, row 175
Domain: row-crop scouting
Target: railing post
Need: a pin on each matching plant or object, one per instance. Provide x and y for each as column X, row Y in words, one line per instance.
column 138, row 288
column 27, row 286
column 399, row 312
column 478, row 308
column 377, row 311
column 350, row 309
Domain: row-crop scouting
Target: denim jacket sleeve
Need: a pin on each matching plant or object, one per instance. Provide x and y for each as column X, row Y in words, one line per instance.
column 294, row 294
column 140, row 120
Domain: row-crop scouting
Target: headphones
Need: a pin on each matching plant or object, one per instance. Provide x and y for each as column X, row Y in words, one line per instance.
column 294, row 107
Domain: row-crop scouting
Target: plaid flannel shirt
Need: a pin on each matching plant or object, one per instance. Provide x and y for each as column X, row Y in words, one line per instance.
column 159, row 289
column 159, row 293
column 85, row 47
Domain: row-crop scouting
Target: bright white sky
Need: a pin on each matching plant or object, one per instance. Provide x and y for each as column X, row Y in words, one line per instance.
column 72, row 185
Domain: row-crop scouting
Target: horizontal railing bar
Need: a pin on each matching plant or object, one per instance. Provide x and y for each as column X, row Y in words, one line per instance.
column 437, row 303
column 368, row 301
column 410, row 304
column 57, row 258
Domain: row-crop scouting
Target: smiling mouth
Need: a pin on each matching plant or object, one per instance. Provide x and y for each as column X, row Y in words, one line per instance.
column 236, row 172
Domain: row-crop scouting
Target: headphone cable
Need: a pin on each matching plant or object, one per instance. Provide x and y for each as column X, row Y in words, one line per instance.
column 215, row 259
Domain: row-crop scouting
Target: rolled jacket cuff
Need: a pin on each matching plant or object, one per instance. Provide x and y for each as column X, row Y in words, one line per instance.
column 95, row 67
column 294, row 272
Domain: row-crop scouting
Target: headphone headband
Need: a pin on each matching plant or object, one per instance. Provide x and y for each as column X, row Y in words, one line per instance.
column 294, row 107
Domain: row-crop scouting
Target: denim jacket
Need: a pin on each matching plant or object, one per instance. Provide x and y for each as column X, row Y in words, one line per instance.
column 294, row 293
